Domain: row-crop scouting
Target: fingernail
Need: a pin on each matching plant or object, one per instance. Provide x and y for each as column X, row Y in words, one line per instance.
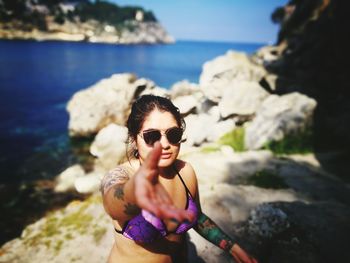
column 186, row 221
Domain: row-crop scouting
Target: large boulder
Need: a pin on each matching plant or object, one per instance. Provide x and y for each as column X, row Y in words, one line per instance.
column 298, row 232
column 110, row 146
column 81, row 232
column 277, row 117
column 90, row 183
column 231, row 66
column 205, row 128
column 186, row 104
column 241, row 98
column 65, row 180
column 108, row 101
column 184, row 88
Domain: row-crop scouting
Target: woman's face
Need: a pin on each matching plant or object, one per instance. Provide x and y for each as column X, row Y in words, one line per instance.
column 159, row 120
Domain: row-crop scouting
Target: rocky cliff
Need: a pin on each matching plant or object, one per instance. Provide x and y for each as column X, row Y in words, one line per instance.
column 79, row 21
column 311, row 57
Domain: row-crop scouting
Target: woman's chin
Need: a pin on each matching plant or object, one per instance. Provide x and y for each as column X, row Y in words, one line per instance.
column 163, row 163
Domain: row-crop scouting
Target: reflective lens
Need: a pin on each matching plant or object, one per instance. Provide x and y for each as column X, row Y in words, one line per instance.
column 173, row 135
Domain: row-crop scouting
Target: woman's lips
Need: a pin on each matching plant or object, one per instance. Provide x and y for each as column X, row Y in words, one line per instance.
column 165, row 155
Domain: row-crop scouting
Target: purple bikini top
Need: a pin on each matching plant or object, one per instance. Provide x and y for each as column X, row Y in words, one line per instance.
column 145, row 227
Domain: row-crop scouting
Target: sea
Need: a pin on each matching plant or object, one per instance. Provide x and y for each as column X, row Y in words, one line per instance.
column 37, row 79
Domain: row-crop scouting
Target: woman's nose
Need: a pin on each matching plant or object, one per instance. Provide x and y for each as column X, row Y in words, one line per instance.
column 164, row 142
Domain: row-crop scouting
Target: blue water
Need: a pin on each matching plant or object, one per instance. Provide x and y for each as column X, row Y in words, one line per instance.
column 37, row 79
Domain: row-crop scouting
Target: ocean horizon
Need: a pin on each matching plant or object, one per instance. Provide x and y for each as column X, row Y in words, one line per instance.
column 37, row 79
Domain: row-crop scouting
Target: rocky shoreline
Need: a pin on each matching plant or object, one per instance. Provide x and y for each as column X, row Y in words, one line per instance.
column 281, row 222
column 80, row 20
column 93, row 32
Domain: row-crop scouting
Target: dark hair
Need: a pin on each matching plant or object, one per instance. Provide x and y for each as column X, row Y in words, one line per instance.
column 142, row 107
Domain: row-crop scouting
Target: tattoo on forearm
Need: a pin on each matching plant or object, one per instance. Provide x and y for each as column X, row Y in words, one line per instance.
column 131, row 209
column 210, row 231
column 117, row 176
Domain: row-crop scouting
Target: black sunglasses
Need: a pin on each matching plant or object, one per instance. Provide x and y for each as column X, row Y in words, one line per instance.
column 173, row 135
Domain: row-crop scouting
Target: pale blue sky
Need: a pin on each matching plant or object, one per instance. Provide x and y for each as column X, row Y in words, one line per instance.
column 214, row 20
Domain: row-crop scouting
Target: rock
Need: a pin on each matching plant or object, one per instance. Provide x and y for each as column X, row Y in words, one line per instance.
column 109, row 146
column 228, row 205
column 219, row 129
column 186, row 104
column 231, row 66
column 208, row 106
column 108, row 101
column 206, row 127
column 267, row 54
column 215, row 167
column 184, row 88
column 241, row 98
column 66, row 180
column 157, row 91
column 305, row 176
column 269, row 82
column 302, row 232
column 279, row 116
column 145, row 32
column 197, row 128
column 90, row 31
column 267, row 221
column 89, row 183
column 81, row 232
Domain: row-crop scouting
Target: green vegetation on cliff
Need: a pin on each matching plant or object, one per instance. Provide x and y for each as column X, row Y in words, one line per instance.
column 29, row 14
column 235, row 139
column 298, row 143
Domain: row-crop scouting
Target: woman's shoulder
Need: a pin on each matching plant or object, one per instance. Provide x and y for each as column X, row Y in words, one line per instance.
column 127, row 168
column 118, row 175
column 186, row 171
column 184, row 166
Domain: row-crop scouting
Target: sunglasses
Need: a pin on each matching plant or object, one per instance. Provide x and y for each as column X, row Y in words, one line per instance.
column 173, row 135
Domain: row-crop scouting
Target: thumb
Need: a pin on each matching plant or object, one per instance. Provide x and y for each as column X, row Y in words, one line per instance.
column 151, row 162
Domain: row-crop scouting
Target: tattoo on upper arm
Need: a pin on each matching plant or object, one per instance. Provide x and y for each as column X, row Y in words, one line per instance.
column 131, row 209
column 117, row 176
column 119, row 192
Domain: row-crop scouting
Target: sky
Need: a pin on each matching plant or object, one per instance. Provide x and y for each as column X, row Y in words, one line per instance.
column 214, row 20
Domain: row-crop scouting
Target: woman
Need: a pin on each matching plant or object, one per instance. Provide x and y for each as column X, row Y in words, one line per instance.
column 153, row 199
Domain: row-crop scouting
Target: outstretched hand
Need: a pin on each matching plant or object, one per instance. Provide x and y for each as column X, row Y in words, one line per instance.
column 151, row 195
column 241, row 256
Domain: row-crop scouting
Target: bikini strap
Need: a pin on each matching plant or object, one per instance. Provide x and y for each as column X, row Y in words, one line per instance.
column 183, row 182
column 118, row 231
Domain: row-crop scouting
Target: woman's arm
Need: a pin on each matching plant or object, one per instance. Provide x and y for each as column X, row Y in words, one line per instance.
column 208, row 229
column 211, row 232
column 117, row 188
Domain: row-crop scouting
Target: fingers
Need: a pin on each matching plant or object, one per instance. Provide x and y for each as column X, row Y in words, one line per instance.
column 237, row 259
column 166, row 211
column 241, row 256
column 153, row 157
column 171, row 212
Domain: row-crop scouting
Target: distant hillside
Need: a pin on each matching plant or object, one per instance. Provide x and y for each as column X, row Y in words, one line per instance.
column 98, row 21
